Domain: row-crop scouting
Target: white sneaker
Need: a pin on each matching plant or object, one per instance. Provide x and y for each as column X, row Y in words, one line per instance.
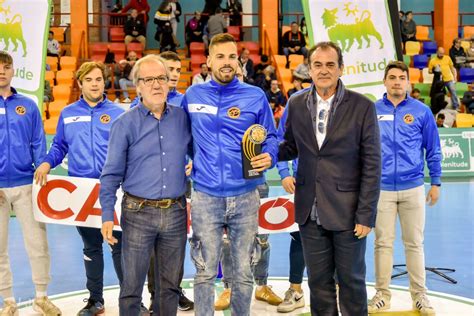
column 292, row 301
column 127, row 100
column 422, row 304
column 117, row 100
column 378, row 303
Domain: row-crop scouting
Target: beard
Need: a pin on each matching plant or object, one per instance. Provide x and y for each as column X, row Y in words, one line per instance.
column 224, row 77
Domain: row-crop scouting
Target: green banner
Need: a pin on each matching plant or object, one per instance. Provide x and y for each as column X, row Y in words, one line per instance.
column 457, row 148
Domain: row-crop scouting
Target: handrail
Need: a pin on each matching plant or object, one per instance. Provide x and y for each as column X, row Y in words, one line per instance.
column 83, row 54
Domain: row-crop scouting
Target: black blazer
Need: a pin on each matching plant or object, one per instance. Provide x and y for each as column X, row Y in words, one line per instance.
column 345, row 173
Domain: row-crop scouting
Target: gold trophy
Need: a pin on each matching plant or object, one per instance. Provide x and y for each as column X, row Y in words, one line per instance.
column 251, row 145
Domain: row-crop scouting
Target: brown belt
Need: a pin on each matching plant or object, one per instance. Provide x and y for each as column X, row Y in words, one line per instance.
column 161, row 203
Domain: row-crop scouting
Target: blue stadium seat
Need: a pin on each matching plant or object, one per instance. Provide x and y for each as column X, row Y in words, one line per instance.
column 429, row 48
column 466, row 75
column 420, row 61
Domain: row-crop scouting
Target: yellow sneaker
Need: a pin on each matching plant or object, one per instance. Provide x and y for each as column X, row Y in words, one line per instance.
column 44, row 306
column 223, row 302
column 9, row 309
column 265, row 293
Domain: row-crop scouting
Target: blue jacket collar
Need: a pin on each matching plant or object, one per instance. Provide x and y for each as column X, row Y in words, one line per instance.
column 98, row 105
column 234, row 83
column 387, row 102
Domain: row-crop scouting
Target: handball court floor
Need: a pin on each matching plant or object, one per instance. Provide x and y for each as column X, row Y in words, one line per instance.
column 449, row 242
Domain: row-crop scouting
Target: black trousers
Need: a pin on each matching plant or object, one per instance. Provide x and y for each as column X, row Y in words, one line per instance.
column 326, row 252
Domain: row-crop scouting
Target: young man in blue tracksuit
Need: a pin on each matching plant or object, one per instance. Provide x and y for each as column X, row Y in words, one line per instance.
column 220, row 112
column 409, row 137
column 294, row 296
column 82, row 133
column 23, row 147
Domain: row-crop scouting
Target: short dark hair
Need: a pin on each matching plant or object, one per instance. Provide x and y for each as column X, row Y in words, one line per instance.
column 441, row 116
column 5, row 58
column 294, row 22
column 408, row 12
column 202, row 64
column 398, row 65
column 169, row 55
column 51, row 32
column 415, row 90
column 221, row 39
column 326, row 46
column 264, row 58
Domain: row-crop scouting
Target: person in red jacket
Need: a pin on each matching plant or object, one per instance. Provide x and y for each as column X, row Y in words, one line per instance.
column 141, row 6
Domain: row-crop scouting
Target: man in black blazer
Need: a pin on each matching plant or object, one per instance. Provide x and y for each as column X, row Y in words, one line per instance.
column 334, row 134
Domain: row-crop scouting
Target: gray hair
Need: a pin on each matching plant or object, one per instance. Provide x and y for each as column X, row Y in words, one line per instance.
column 148, row 58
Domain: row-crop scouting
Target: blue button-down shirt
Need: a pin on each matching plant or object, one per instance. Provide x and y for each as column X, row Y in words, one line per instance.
column 146, row 156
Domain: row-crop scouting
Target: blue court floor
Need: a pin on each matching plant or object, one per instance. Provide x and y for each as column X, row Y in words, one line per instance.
column 449, row 242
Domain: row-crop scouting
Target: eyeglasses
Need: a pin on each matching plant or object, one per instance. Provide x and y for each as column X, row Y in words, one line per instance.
column 322, row 117
column 148, row 81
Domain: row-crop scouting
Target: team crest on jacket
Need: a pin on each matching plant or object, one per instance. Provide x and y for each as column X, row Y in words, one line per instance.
column 408, row 118
column 233, row 112
column 20, row 110
column 105, row 118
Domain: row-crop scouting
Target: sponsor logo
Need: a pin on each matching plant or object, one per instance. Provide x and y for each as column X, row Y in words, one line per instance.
column 408, row 119
column 105, row 118
column 20, row 110
column 233, row 112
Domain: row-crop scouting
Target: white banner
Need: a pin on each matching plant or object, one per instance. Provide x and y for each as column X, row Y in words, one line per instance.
column 363, row 30
column 24, row 27
column 75, row 201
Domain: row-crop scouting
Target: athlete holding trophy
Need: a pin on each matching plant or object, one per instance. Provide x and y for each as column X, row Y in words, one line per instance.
column 223, row 114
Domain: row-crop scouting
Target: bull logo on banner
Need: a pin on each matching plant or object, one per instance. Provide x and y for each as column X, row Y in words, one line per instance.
column 345, row 34
column 11, row 31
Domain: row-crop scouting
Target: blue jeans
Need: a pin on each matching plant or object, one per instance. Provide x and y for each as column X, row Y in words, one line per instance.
column 94, row 260
column 210, row 215
column 259, row 270
column 452, row 90
column 145, row 230
column 303, row 51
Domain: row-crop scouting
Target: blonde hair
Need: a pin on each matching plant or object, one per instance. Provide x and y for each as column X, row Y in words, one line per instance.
column 87, row 67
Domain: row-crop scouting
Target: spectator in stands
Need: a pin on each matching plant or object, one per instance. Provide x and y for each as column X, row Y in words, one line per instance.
column 440, row 120
column 448, row 72
column 203, row 76
column 408, row 28
column 304, row 30
column 468, row 101
column 164, row 30
column 175, row 14
column 275, row 95
column 48, row 92
column 216, row 24
column 297, row 83
column 457, row 54
column 401, row 17
column 117, row 8
column 234, row 8
column 194, row 30
column 247, row 65
column 209, row 9
column 293, row 42
column 126, row 81
column 470, row 53
column 135, row 29
column 260, row 67
column 264, row 79
column 54, row 48
column 302, row 71
column 416, row 94
column 141, row 6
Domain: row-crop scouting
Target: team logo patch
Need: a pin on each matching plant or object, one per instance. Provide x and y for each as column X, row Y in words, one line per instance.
column 408, row 118
column 233, row 112
column 105, row 118
column 20, row 110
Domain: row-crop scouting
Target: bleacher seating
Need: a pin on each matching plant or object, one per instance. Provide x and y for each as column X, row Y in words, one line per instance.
column 430, row 48
column 427, row 77
column 420, row 61
column 412, row 48
column 414, row 74
column 464, row 120
column 424, row 89
column 59, row 33
column 461, row 87
column 422, row 33
column 407, row 60
column 98, row 51
column 65, row 77
column 136, row 47
column 468, row 31
column 119, row 49
column 117, row 34
column 52, row 62
column 49, row 76
column 197, row 60
column 279, row 60
column 196, row 48
column 234, row 31
column 253, row 47
column 68, row 63
column 50, row 126
column 295, row 60
column 62, row 92
column 466, row 75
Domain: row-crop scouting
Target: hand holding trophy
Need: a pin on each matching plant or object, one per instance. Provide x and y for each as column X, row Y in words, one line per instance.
column 253, row 161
